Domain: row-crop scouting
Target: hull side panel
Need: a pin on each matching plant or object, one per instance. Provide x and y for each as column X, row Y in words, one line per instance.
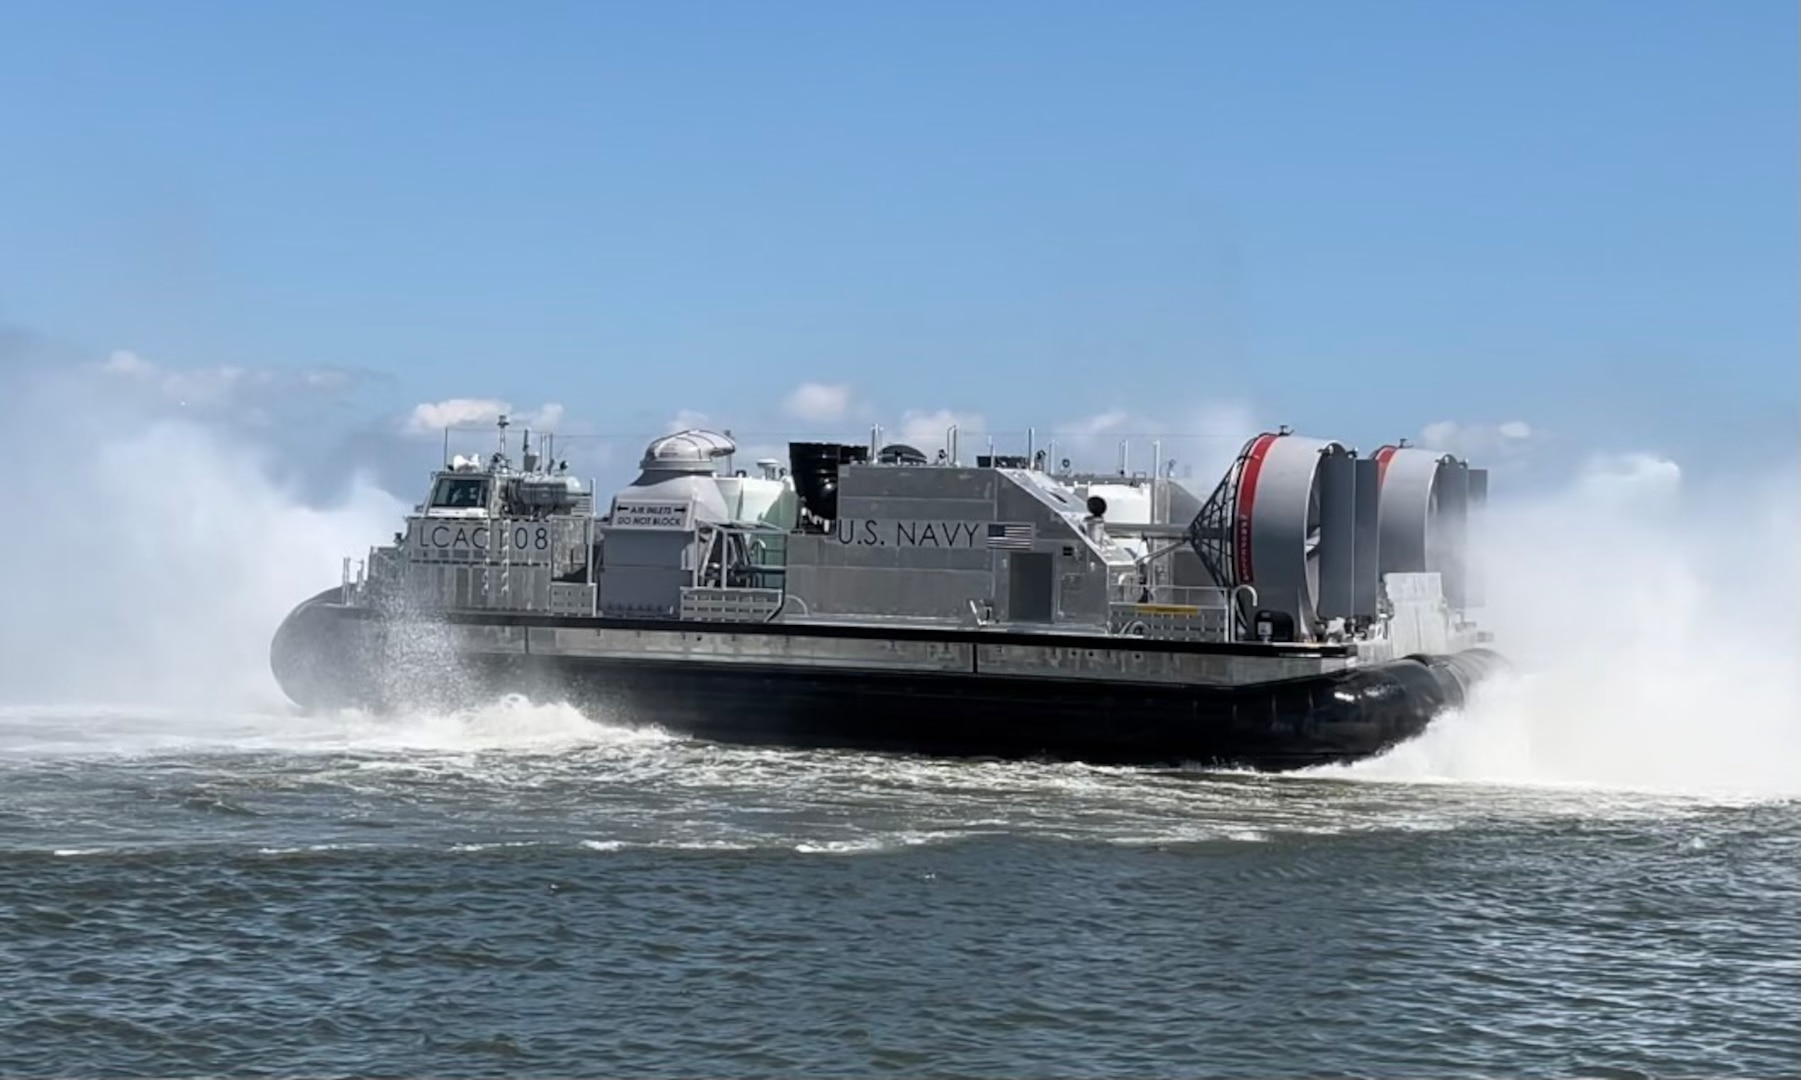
column 326, row 657
column 1282, row 726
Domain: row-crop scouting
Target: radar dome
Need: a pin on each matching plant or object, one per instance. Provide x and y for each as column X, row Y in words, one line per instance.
column 900, row 454
column 693, row 450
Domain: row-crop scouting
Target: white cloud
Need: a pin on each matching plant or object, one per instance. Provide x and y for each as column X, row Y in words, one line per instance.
column 1202, row 444
column 1220, row 431
column 207, row 387
column 819, row 402
column 326, row 378
column 925, row 429
column 1642, row 480
column 245, row 390
column 1475, row 441
column 1091, row 443
column 430, row 418
column 686, row 419
column 184, row 386
column 1102, row 423
column 126, row 362
column 751, row 453
column 437, row 415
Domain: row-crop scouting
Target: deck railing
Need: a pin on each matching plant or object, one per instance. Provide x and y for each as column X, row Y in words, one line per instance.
column 1171, row 612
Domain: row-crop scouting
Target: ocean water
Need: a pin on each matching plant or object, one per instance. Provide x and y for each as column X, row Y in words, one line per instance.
column 523, row 890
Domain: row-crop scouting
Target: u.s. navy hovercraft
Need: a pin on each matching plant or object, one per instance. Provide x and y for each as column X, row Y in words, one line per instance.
column 1315, row 607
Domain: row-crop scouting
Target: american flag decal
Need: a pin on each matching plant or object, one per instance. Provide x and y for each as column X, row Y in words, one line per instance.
column 1002, row 537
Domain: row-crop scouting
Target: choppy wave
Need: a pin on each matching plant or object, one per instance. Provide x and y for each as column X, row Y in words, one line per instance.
column 528, row 891
column 519, row 773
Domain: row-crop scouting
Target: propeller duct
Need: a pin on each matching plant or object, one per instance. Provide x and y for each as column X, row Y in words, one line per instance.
column 1283, row 520
column 1423, row 516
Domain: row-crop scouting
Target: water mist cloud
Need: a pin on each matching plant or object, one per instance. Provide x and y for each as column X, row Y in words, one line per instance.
column 1653, row 620
column 154, row 554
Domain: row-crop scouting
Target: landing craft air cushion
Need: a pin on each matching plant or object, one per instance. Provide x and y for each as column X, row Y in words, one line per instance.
column 1314, row 608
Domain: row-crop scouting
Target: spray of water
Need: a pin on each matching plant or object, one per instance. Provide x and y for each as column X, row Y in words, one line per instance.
column 1654, row 624
column 150, row 556
column 154, row 554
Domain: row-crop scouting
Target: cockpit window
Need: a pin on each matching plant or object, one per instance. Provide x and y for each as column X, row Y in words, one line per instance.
column 460, row 493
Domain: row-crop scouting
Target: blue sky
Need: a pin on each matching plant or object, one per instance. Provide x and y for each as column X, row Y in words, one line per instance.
column 1576, row 219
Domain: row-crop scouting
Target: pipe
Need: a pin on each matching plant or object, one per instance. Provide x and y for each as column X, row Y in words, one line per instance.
column 1232, row 621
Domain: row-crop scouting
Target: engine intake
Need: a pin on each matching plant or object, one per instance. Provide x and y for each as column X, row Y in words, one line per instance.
column 814, row 467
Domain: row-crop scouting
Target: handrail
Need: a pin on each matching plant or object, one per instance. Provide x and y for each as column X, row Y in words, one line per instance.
column 1204, row 596
column 1232, row 623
